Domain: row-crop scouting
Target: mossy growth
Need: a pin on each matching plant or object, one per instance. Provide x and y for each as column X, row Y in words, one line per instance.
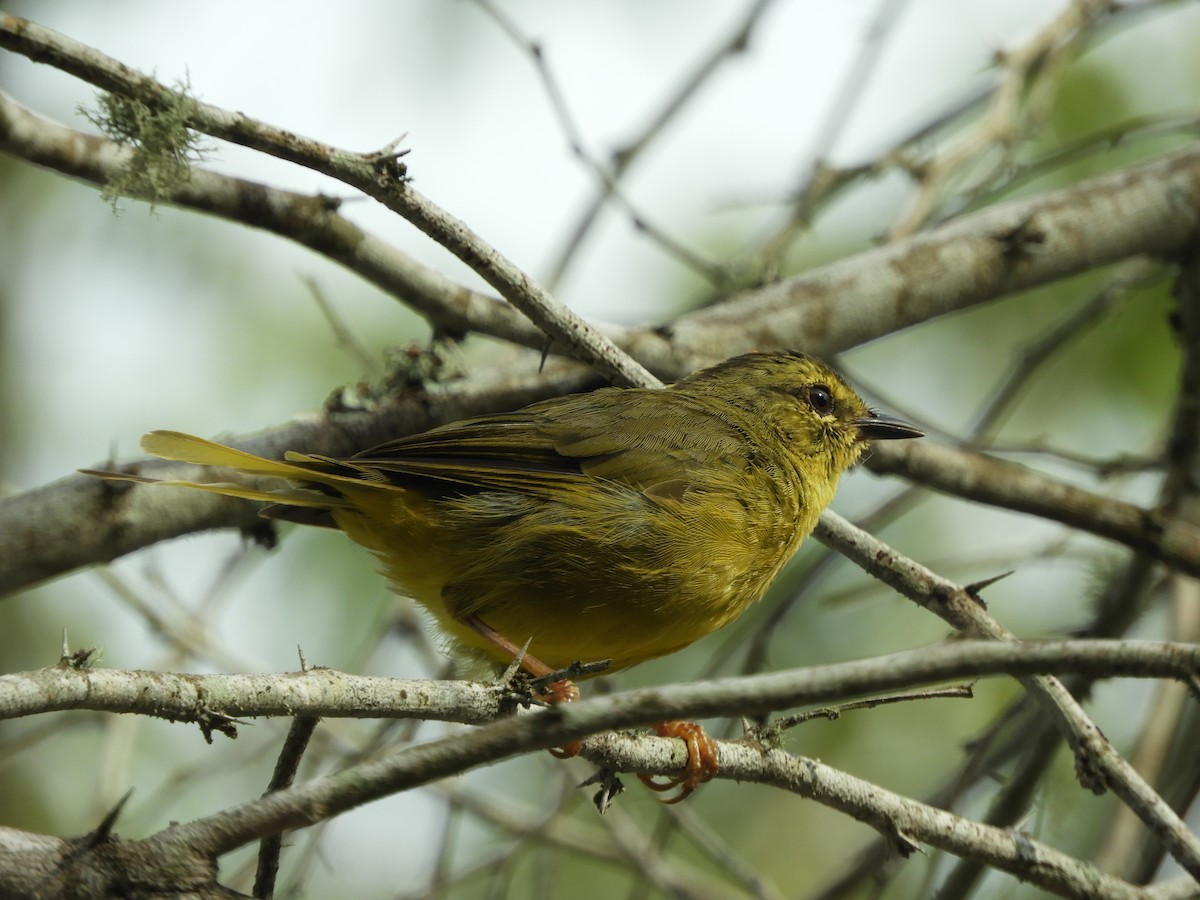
column 163, row 146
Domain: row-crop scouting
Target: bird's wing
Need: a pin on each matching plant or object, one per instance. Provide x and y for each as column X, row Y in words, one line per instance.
column 612, row 435
column 503, row 452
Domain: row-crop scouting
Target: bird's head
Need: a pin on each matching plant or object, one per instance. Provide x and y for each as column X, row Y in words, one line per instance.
column 823, row 424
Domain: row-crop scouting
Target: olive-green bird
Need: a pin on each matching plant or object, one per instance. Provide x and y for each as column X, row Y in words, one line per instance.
column 621, row 524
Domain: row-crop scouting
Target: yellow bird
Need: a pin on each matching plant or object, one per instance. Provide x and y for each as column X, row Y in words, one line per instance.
column 621, row 524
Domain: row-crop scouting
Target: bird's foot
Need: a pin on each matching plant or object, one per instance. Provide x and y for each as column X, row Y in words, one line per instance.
column 701, row 764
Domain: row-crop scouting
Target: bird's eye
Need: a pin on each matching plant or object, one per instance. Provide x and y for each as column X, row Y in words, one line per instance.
column 820, row 399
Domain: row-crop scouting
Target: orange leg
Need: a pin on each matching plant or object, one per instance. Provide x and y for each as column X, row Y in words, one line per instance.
column 702, row 750
column 701, row 761
column 563, row 691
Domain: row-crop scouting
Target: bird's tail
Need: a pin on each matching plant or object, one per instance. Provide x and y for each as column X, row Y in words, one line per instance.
column 318, row 478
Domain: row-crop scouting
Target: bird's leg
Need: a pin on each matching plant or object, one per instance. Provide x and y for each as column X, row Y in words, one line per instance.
column 562, row 691
column 701, row 749
column 701, row 759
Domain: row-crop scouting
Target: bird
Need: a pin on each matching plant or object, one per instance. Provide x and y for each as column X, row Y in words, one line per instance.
column 621, row 524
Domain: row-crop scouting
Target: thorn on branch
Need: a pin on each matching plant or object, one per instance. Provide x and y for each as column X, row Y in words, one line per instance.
column 901, row 842
column 104, row 830
column 975, row 588
column 210, row 721
column 101, row 834
column 81, row 660
column 611, row 787
column 514, row 685
column 386, row 161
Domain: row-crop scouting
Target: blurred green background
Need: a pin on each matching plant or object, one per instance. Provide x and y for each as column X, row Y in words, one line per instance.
column 111, row 325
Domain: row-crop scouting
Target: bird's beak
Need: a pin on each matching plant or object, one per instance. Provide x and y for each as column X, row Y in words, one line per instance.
column 878, row 427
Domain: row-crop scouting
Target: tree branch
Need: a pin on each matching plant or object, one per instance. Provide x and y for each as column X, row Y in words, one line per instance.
column 1153, row 208
column 328, row 693
column 80, row 520
column 310, row 220
column 1097, row 764
column 309, row 692
column 378, row 175
column 1009, row 485
column 1149, row 209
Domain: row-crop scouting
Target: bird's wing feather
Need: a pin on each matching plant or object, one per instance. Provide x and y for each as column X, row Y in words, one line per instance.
column 547, row 448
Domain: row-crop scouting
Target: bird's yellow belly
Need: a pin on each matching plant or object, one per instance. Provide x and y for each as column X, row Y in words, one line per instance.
column 534, row 570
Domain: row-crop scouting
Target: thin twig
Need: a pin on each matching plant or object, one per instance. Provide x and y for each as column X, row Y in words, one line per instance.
column 609, row 179
column 286, row 766
column 1098, row 765
column 379, row 175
